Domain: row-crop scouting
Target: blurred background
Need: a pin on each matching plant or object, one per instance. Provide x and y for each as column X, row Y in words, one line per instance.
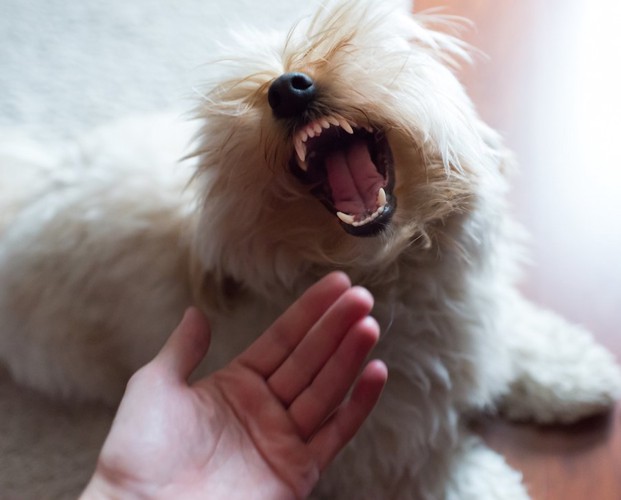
column 550, row 82
column 69, row 65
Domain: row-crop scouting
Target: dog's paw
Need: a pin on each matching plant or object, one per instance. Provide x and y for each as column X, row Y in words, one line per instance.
column 562, row 374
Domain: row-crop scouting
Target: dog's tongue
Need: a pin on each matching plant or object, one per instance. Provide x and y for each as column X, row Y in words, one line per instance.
column 354, row 179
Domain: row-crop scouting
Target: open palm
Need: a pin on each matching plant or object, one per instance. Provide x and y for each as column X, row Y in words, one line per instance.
column 266, row 425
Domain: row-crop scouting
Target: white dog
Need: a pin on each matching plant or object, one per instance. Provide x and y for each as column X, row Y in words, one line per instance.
column 346, row 143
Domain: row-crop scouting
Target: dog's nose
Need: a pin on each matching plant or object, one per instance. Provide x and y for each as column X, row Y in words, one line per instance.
column 290, row 94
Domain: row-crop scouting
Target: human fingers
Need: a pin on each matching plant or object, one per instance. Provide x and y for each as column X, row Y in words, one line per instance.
column 314, row 350
column 328, row 389
column 318, row 346
column 186, row 346
column 343, row 425
column 272, row 348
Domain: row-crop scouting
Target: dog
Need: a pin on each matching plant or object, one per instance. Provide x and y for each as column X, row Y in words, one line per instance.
column 345, row 143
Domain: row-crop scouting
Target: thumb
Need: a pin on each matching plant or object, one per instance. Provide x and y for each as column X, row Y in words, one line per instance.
column 187, row 345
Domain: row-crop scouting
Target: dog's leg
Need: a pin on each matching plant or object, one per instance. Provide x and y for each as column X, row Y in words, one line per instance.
column 479, row 473
column 560, row 372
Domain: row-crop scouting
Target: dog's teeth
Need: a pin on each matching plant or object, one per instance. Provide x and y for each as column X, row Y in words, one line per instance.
column 324, row 123
column 346, row 218
column 368, row 129
column 301, row 150
column 381, row 198
column 333, row 121
column 303, row 136
column 349, row 219
column 310, row 132
column 346, row 126
column 317, row 128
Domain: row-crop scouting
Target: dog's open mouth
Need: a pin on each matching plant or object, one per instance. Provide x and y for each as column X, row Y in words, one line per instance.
column 350, row 169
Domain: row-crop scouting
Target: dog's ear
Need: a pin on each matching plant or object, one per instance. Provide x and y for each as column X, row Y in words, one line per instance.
column 439, row 36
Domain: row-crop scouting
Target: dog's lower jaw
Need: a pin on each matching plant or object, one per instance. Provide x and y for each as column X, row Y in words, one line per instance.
column 379, row 223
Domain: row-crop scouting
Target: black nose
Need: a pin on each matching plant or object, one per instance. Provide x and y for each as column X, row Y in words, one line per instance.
column 290, row 94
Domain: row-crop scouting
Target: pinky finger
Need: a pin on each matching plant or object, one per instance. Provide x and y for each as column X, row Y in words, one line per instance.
column 343, row 425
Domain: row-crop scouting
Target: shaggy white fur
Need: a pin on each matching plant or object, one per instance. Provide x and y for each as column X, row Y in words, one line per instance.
column 101, row 251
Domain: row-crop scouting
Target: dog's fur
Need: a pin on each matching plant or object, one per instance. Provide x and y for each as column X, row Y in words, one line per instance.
column 101, row 252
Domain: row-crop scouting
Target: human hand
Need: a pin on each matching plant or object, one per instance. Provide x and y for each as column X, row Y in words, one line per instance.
column 264, row 426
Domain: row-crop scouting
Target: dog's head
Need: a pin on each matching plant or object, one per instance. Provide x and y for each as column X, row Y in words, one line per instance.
column 343, row 142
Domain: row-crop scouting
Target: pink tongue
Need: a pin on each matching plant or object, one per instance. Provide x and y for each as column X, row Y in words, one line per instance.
column 353, row 179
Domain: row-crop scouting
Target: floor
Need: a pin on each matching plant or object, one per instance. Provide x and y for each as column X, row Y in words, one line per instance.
column 550, row 84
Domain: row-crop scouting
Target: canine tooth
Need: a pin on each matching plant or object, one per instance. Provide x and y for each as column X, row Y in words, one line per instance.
column 333, row 121
column 381, row 198
column 300, row 149
column 346, row 218
column 346, row 126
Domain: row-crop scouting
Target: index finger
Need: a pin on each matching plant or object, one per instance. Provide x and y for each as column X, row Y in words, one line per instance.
column 272, row 348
